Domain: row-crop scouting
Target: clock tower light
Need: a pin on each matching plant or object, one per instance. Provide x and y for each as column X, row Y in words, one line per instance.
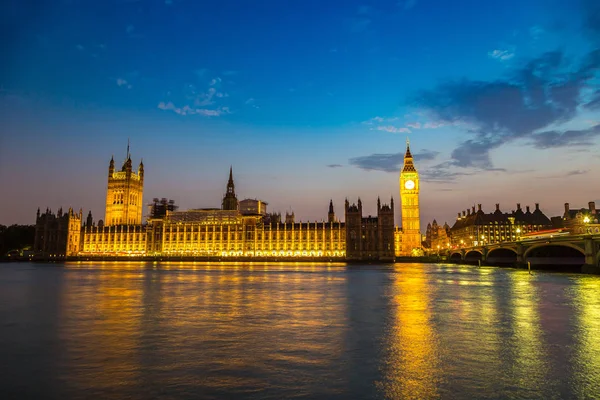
column 409, row 195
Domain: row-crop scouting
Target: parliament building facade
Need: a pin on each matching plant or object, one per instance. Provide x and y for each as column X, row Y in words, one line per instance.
column 238, row 229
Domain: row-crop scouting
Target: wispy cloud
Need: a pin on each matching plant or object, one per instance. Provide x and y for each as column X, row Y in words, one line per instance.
column 378, row 162
column 187, row 110
column 80, row 47
column 123, row 83
column 393, row 129
column 502, row 55
column 334, row 165
column 577, row 172
column 389, row 162
column 536, row 32
column 553, row 139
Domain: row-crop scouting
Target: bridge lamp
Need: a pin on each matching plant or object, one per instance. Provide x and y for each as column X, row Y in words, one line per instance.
column 586, row 219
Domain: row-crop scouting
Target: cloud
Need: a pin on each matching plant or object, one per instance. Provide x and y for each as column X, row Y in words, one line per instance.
column 379, row 162
column 215, row 81
column 553, row 139
column 123, row 82
column 393, row 129
column 129, row 30
column 544, row 92
column 425, row 155
column 389, row 162
column 502, row 55
column 187, row 110
column 168, row 2
column 334, row 165
column 577, row 172
column 536, row 32
column 80, row 47
column 230, row 72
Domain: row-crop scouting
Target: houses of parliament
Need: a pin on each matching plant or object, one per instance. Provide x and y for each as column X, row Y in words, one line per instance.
column 236, row 230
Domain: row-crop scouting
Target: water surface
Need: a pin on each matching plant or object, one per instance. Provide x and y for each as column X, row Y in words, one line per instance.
column 273, row 331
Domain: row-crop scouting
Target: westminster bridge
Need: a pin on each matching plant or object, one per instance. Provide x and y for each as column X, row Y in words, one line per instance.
column 576, row 251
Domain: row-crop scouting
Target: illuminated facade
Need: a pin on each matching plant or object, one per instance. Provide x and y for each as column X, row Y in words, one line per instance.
column 408, row 239
column 236, row 230
column 581, row 221
column 124, row 195
column 474, row 228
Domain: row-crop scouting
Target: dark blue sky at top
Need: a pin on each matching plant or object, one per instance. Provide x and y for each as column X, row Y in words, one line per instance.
column 274, row 86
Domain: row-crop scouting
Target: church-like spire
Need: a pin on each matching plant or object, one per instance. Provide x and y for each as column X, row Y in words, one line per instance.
column 331, row 213
column 408, row 160
column 230, row 184
column 230, row 200
column 407, row 155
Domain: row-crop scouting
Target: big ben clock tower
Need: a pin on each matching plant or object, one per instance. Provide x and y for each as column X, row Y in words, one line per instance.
column 409, row 194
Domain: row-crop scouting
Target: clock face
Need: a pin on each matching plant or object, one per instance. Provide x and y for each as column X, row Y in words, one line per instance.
column 409, row 184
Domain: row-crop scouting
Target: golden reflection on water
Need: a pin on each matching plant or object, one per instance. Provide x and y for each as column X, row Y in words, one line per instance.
column 528, row 364
column 248, row 326
column 411, row 366
column 101, row 316
column 587, row 298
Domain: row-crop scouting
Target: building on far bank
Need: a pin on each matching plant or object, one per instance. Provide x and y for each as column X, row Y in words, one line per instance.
column 57, row 235
column 437, row 236
column 253, row 206
column 581, row 221
column 370, row 238
column 236, row 229
column 474, row 228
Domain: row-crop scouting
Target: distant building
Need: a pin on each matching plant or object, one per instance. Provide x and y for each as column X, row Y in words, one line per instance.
column 437, row 236
column 582, row 220
column 57, row 235
column 236, row 229
column 473, row 228
column 253, row 207
column 370, row 238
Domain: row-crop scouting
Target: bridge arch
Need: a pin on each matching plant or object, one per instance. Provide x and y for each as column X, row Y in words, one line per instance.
column 553, row 244
column 473, row 255
column 455, row 256
column 501, row 255
column 502, row 250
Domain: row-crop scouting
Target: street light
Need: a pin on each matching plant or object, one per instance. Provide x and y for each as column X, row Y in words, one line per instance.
column 518, row 233
column 587, row 220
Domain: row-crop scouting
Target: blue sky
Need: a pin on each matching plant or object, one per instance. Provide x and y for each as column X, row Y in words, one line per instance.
column 308, row 100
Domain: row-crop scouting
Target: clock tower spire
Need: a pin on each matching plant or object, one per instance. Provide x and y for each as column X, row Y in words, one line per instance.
column 409, row 195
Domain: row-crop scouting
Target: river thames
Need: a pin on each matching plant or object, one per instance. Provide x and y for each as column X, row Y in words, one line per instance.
column 274, row 331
